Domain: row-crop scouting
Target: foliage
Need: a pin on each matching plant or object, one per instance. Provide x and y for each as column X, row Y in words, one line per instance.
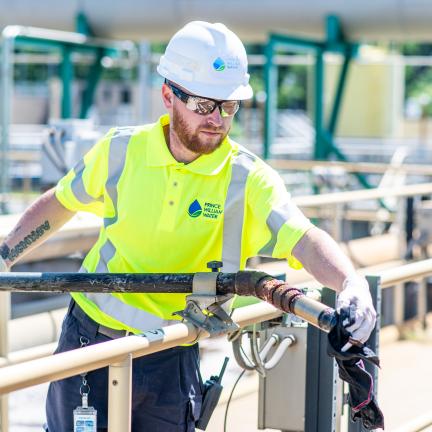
column 418, row 79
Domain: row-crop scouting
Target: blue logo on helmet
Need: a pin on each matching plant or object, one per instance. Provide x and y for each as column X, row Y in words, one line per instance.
column 195, row 209
column 219, row 64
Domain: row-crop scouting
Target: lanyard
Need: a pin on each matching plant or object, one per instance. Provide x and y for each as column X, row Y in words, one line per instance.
column 85, row 416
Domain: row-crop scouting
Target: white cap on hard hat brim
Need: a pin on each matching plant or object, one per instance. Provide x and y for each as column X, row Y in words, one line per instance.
column 207, row 60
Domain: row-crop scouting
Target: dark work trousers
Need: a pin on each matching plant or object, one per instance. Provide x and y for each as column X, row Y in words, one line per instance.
column 166, row 386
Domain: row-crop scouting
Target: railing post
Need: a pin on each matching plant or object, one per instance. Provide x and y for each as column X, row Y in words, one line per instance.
column 339, row 210
column 4, row 348
column 323, row 398
column 422, row 302
column 120, row 396
column 399, row 305
column 373, row 343
column 399, row 289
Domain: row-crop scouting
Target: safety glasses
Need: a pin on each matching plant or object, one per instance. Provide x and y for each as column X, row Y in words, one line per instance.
column 205, row 106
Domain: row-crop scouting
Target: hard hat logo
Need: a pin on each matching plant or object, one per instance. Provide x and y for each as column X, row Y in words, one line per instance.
column 219, row 64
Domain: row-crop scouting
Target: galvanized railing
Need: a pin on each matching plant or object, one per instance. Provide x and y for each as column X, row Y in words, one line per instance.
column 363, row 167
column 118, row 354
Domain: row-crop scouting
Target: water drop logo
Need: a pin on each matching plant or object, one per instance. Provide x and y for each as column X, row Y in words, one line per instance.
column 195, row 209
column 219, row 64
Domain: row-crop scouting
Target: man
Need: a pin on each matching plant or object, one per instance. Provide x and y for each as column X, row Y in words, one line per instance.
column 173, row 196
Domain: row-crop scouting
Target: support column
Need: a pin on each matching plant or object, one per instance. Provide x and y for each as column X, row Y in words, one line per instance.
column 120, row 396
column 4, row 352
column 422, row 303
column 320, row 151
column 323, row 398
column 144, row 83
column 5, row 104
column 373, row 342
column 270, row 78
column 92, row 82
column 67, row 77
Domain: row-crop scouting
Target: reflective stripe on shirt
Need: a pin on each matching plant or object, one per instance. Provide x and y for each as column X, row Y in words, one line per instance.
column 275, row 221
column 78, row 187
column 107, row 303
column 234, row 212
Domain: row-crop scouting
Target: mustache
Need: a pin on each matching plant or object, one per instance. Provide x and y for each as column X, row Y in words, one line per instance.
column 212, row 129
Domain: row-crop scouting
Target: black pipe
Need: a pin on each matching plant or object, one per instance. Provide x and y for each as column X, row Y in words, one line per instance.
column 248, row 283
column 179, row 283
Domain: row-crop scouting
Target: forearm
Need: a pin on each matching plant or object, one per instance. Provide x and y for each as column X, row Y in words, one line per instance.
column 322, row 257
column 42, row 219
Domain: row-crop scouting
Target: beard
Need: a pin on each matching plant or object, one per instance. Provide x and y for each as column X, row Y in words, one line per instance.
column 192, row 140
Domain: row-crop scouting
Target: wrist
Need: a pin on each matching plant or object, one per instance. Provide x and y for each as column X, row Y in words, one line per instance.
column 355, row 280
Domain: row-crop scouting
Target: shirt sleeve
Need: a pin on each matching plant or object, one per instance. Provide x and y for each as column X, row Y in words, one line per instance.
column 276, row 223
column 82, row 188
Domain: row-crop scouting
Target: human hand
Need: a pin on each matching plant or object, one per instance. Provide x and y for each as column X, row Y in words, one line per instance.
column 355, row 293
column 3, row 266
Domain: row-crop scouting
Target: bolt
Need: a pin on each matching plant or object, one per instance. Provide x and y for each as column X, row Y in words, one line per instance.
column 214, row 265
column 115, row 382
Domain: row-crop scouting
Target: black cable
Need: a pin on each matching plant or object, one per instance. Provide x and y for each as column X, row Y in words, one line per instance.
column 230, row 396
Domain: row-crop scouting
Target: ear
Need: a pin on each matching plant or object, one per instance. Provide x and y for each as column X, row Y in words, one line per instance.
column 167, row 96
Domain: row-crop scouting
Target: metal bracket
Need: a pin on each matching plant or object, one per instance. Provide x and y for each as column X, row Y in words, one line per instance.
column 204, row 307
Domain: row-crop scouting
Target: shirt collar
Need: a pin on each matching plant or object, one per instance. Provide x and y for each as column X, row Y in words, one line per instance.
column 158, row 153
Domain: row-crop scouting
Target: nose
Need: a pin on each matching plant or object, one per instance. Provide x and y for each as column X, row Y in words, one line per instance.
column 215, row 118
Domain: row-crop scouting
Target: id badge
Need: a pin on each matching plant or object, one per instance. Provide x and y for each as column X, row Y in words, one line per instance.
column 85, row 419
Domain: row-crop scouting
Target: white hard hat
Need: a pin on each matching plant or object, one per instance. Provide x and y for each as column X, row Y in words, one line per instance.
column 208, row 60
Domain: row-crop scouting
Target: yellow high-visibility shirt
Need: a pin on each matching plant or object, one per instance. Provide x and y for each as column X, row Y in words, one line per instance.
column 164, row 216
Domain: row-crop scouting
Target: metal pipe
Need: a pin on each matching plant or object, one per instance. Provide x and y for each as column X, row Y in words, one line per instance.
column 280, row 351
column 101, row 282
column 65, row 37
column 406, row 273
column 285, row 298
column 250, row 283
column 120, row 395
column 244, row 283
column 357, row 195
column 269, row 344
column 24, row 355
column 364, row 167
column 92, row 357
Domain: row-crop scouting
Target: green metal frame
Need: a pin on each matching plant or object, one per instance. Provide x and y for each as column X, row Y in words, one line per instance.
column 66, row 49
column 335, row 42
column 66, row 44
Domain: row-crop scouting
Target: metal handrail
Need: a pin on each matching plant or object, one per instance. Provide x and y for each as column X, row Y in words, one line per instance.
column 118, row 354
column 364, row 167
column 357, row 195
column 77, row 361
column 409, row 272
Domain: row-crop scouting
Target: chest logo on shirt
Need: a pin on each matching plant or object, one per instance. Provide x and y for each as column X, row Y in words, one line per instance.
column 209, row 210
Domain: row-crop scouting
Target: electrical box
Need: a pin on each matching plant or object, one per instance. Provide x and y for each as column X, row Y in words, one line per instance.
column 282, row 393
